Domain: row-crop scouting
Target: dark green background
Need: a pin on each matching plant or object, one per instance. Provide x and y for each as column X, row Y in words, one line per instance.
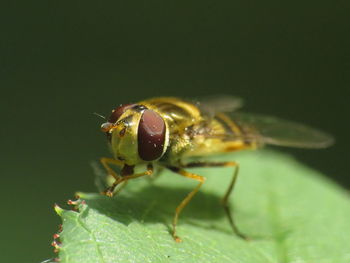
column 60, row 61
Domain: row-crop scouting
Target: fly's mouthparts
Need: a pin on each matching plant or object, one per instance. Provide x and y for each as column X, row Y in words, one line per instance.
column 106, row 127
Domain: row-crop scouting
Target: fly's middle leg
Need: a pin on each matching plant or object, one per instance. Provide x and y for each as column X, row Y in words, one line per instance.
column 187, row 199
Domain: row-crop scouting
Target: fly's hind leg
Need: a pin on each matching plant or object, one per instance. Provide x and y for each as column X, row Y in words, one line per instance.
column 187, row 199
column 225, row 199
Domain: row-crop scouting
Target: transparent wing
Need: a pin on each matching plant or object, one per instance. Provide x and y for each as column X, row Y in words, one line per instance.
column 272, row 130
column 209, row 106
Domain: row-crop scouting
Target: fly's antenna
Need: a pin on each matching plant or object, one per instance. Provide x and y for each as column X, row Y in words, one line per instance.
column 99, row 115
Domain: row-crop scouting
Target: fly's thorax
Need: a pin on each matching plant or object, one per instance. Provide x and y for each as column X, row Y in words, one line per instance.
column 139, row 135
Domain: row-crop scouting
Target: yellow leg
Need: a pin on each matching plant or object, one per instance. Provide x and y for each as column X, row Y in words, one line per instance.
column 225, row 199
column 107, row 161
column 187, row 199
column 110, row 191
column 121, row 178
column 121, row 187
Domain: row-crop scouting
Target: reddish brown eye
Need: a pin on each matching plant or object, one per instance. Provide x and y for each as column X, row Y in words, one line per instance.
column 151, row 136
column 117, row 112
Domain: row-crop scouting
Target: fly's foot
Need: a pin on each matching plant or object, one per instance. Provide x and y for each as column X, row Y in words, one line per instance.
column 243, row 236
column 109, row 192
column 177, row 239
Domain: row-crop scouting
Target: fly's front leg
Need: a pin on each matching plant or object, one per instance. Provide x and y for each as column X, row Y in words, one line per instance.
column 126, row 174
column 225, row 199
column 188, row 198
column 124, row 179
column 106, row 162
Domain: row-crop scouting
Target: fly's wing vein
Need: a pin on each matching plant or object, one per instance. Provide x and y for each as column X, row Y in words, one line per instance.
column 210, row 106
column 262, row 129
column 276, row 131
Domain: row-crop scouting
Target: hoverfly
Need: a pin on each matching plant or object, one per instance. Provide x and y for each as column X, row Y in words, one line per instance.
column 167, row 130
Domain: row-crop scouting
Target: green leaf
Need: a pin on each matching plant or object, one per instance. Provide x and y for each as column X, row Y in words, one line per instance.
column 293, row 213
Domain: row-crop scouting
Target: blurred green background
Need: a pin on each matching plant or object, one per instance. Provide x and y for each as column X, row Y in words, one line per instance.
column 61, row 61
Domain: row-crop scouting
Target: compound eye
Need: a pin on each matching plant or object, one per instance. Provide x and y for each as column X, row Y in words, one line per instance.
column 151, row 136
column 117, row 112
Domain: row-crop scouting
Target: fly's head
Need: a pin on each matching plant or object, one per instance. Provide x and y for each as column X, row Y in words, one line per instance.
column 136, row 134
